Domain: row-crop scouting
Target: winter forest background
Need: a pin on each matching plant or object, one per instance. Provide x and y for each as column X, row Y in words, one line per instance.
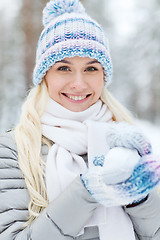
column 133, row 29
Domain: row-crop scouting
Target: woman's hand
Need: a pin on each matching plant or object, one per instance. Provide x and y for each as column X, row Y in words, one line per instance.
column 145, row 176
column 129, row 171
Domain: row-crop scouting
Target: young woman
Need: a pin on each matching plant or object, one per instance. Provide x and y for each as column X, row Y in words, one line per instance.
column 75, row 167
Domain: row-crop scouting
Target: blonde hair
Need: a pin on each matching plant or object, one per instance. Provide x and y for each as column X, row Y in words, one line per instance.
column 28, row 135
column 120, row 113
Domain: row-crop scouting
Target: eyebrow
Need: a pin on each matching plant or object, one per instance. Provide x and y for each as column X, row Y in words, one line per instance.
column 64, row 61
column 94, row 61
column 88, row 63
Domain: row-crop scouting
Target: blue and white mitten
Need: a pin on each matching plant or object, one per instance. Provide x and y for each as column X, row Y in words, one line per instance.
column 126, row 176
column 125, row 135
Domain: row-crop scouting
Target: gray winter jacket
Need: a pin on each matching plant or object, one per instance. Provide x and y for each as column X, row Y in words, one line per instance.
column 64, row 217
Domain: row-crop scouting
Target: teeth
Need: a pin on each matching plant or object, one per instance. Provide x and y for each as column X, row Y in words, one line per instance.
column 77, row 97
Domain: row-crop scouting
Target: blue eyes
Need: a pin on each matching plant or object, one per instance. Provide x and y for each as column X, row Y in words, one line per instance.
column 66, row 69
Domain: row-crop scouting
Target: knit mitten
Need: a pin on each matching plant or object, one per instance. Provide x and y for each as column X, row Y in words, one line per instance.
column 124, row 177
column 124, row 135
column 145, row 177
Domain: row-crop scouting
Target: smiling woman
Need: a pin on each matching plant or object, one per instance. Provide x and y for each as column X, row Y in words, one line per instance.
column 72, row 169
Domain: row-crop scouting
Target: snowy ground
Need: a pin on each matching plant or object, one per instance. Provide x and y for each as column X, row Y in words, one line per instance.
column 153, row 134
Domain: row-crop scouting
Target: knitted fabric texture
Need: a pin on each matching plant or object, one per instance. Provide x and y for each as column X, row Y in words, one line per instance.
column 144, row 177
column 124, row 135
column 68, row 32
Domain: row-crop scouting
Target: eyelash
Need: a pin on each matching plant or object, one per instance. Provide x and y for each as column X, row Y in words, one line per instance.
column 66, row 68
column 62, row 68
column 91, row 69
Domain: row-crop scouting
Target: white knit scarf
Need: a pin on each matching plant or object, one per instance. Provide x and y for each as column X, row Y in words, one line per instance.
column 75, row 134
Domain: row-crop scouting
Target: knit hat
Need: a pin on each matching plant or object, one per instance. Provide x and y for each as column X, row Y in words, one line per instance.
column 69, row 32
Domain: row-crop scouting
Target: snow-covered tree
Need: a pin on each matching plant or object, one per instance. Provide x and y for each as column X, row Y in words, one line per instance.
column 137, row 63
column 17, row 40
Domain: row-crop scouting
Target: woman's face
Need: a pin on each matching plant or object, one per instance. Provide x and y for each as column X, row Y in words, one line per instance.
column 75, row 83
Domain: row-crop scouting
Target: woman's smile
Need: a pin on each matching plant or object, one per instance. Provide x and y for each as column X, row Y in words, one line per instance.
column 76, row 98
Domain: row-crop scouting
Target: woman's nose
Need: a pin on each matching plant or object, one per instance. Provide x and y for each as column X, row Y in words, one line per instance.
column 78, row 81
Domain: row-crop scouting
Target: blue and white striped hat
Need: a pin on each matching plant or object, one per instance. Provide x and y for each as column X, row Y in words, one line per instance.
column 68, row 32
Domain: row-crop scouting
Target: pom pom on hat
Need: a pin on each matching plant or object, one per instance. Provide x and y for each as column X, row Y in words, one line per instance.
column 55, row 8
